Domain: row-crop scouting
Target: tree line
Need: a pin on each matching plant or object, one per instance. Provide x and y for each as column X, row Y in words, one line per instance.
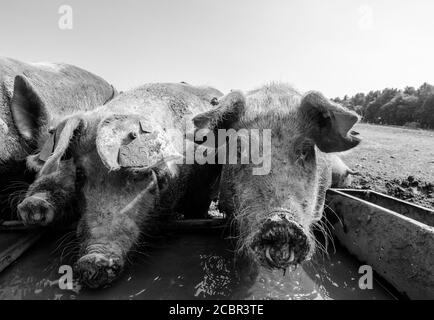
column 408, row 107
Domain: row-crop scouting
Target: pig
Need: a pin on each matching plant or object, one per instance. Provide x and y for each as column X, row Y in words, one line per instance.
column 274, row 213
column 34, row 97
column 119, row 165
column 341, row 173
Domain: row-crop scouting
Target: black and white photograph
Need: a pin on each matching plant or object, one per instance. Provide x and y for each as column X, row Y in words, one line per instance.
column 233, row 151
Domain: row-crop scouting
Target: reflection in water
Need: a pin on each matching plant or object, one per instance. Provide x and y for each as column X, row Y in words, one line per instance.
column 191, row 267
column 216, row 277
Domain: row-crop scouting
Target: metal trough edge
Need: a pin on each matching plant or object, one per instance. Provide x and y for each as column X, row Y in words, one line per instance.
column 8, row 256
column 408, row 209
column 398, row 248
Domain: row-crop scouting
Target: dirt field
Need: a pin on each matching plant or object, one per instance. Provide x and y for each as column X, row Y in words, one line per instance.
column 396, row 161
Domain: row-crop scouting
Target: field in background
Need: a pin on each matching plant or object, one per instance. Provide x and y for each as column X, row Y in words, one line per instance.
column 396, row 161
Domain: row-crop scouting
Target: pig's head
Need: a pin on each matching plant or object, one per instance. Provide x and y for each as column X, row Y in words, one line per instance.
column 34, row 98
column 51, row 198
column 274, row 212
column 115, row 167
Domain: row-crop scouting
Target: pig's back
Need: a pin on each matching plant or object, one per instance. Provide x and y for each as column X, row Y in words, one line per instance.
column 63, row 88
column 166, row 105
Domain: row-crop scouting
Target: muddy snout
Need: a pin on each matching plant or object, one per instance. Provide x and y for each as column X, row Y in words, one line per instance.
column 96, row 270
column 281, row 243
column 36, row 209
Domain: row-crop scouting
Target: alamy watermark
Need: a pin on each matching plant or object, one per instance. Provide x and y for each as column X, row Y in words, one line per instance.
column 366, row 17
column 66, row 19
column 66, row 281
column 227, row 147
column 366, row 280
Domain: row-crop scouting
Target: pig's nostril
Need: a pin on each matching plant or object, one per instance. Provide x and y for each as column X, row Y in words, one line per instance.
column 292, row 257
column 42, row 210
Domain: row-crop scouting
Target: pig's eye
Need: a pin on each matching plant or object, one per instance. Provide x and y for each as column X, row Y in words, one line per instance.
column 304, row 154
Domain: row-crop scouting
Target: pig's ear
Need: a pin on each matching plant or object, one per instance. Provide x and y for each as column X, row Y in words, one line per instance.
column 28, row 110
column 230, row 109
column 328, row 123
column 65, row 132
column 126, row 141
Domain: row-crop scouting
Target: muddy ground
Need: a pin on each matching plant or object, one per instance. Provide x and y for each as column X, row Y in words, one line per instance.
column 395, row 161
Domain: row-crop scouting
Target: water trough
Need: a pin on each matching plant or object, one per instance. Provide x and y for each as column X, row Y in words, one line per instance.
column 394, row 237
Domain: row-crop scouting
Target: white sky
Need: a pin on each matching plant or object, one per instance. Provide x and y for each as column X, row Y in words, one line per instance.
column 335, row 46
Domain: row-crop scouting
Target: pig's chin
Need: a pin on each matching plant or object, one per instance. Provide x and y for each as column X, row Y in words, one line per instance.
column 281, row 244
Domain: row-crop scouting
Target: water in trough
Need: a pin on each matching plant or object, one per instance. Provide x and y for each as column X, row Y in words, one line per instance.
column 190, row 266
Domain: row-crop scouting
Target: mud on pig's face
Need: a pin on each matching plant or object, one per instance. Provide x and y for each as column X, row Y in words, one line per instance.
column 113, row 185
column 274, row 212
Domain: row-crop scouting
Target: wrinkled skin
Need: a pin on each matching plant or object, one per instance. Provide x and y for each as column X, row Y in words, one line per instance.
column 121, row 197
column 274, row 213
column 33, row 98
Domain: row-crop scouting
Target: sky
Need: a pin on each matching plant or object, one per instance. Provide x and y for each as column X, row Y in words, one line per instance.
column 336, row 46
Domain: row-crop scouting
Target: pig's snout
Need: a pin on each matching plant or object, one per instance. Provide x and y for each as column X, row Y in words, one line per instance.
column 281, row 243
column 96, row 270
column 36, row 209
